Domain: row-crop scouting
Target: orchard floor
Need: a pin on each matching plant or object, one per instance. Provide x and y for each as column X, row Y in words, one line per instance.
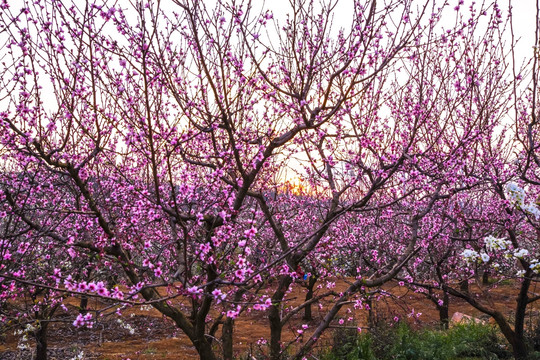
column 155, row 338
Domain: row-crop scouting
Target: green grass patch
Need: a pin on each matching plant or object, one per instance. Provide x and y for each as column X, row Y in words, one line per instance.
column 401, row 342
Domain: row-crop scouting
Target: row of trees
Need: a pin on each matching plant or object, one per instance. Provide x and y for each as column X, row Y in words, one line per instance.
column 144, row 151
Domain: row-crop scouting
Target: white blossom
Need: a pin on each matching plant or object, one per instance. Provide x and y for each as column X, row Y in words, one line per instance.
column 521, row 253
column 531, row 209
column 485, row 257
column 516, row 194
column 535, row 266
column 493, row 243
column 469, row 255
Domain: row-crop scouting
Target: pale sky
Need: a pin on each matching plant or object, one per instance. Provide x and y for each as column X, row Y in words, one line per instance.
column 524, row 12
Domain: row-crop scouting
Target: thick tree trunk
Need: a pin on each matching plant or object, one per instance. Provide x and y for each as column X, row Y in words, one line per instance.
column 227, row 339
column 204, row 349
column 519, row 347
column 41, row 341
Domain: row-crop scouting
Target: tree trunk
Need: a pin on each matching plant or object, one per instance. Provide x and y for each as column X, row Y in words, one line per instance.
column 83, row 306
column 311, row 284
column 464, row 286
column 205, row 350
column 371, row 317
column 275, row 332
column 443, row 311
column 520, row 351
column 521, row 308
column 41, row 341
column 274, row 317
column 227, row 339
column 485, row 278
column 227, row 330
column 519, row 347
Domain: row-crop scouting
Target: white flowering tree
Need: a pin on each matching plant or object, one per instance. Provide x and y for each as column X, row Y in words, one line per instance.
column 508, row 249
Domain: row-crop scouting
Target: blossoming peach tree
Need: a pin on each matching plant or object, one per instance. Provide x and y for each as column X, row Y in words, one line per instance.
column 144, row 152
